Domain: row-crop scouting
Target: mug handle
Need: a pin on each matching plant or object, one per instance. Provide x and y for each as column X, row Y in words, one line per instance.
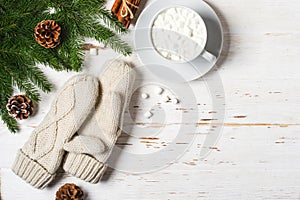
column 208, row 56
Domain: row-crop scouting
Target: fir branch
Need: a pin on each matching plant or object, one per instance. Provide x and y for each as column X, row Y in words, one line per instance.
column 89, row 6
column 106, row 36
column 20, row 53
column 27, row 87
column 18, row 15
column 6, row 91
column 5, row 86
column 22, row 83
column 118, row 45
column 6, row 28
column 110, row 21
column 55, row 62
column 36, row 76
column 10, row 122
column 2, row 10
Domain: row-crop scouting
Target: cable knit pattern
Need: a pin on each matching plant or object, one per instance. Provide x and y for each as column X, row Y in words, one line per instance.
column 39, row 159
column 103, row 126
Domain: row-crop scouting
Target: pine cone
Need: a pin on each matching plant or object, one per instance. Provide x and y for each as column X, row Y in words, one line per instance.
column 47, row 33
column 69, row 192
column 20, row 107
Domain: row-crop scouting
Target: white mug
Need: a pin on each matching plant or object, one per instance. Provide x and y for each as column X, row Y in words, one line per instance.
column 180, row 34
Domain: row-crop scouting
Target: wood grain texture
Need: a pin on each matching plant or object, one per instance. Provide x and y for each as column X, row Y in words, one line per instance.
column 257, row 154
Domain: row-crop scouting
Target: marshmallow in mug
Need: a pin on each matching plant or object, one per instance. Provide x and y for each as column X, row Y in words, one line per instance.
column 178, row 34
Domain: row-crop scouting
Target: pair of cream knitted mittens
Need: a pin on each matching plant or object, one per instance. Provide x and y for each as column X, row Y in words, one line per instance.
column 80, row 129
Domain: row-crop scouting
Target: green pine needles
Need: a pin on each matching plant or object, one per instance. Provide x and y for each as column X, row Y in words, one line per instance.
column 20, row 53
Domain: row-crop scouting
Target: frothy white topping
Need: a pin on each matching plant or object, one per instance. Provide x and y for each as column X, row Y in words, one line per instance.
column 178, row 34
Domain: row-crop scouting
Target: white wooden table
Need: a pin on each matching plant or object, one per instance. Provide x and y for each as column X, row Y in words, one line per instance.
column 258, row 153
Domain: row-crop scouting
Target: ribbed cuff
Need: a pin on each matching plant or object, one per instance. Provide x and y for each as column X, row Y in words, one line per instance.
column 84, row 167
column 31, row 171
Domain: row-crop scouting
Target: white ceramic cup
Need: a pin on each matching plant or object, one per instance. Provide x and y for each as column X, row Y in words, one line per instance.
column 164, row 35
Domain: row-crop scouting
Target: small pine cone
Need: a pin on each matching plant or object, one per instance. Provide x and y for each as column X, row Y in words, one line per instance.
column 20, row 107
column 47, row 33
column 69, row 192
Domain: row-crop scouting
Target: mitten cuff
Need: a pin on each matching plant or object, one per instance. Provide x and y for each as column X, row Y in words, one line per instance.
column 31, row 171
column 84, row 167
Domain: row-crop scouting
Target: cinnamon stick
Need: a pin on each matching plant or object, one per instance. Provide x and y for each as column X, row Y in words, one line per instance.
column 116, row 7
column 123, row 20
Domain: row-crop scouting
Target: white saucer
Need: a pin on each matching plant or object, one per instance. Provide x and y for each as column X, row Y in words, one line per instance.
column 159, row 65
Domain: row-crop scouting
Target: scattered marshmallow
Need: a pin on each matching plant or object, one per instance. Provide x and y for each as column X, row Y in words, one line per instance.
column 148, row 114
column 175, row 101
column 145, row 95
column 94, row 51
column 159, row 90
column 165, row 99
column 172, row 96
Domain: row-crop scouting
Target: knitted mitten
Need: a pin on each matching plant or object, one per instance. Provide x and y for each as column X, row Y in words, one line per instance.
column 41, row 156
column 90, row 149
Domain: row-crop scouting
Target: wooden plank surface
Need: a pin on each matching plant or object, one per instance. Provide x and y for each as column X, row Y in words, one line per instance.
column 257, row 153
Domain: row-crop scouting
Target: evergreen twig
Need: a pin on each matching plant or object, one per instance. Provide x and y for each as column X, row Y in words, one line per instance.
column 20, row 54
